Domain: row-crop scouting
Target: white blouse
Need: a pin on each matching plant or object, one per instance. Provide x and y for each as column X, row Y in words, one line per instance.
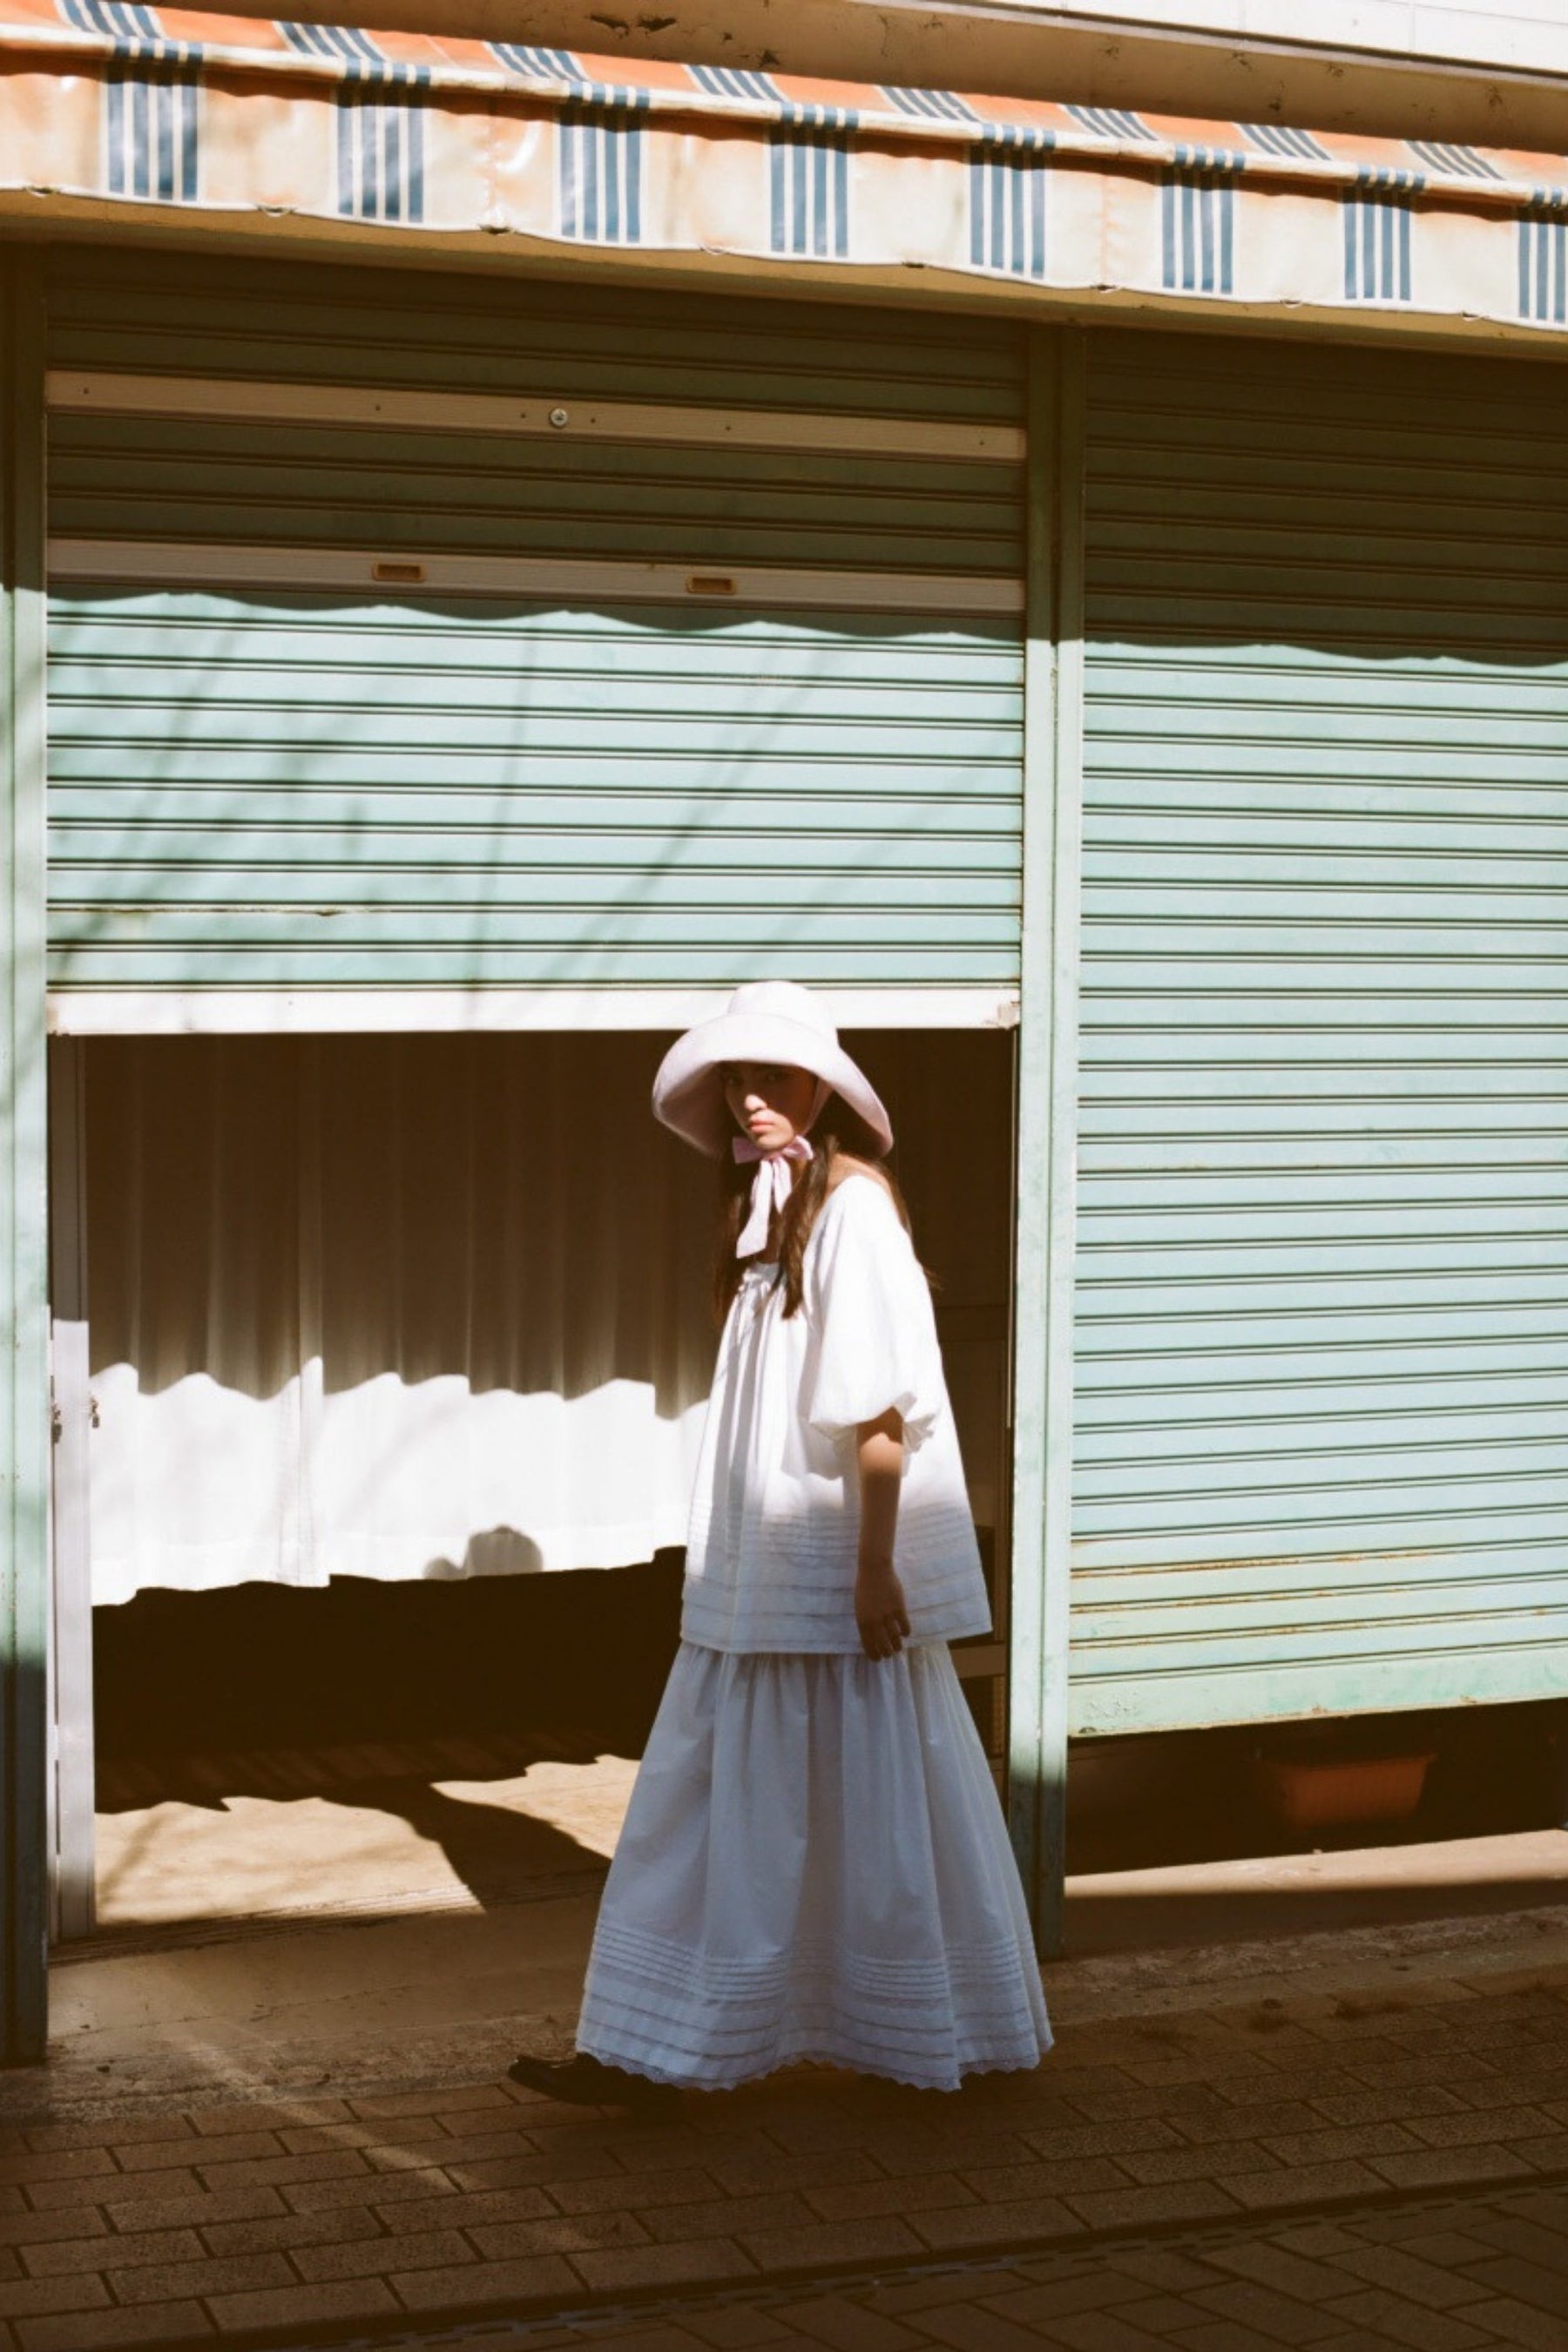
column 776, row 1513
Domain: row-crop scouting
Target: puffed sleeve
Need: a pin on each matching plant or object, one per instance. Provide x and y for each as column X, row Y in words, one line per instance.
column 874, row 1342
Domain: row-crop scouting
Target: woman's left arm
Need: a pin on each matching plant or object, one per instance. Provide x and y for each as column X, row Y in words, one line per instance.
column 880, row 1612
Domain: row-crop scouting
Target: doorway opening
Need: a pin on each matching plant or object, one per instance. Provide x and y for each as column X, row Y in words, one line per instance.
column 395, row 1354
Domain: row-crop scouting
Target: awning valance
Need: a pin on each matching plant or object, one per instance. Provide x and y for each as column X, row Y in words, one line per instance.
column 216, row 118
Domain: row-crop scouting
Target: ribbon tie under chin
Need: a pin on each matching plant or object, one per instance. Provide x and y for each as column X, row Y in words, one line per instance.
column 771, row 1187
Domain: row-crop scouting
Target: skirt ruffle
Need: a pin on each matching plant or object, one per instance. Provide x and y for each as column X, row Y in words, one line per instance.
column 813, row 1867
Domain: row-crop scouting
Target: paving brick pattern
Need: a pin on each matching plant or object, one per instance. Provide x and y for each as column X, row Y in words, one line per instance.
column 1489, row 2269
column 261, row 2222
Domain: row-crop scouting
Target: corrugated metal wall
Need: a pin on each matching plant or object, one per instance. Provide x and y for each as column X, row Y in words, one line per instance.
column 723, row 670
column 1323, row 1272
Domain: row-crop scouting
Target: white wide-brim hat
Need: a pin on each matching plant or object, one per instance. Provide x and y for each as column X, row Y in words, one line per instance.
column 766, row 1021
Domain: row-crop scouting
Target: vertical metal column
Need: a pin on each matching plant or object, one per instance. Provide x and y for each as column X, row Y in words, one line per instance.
column 24, row 1162
column 1047, row 1125
column 74, row 1905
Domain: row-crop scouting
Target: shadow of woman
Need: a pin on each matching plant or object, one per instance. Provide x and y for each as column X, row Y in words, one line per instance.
column 499, row 1854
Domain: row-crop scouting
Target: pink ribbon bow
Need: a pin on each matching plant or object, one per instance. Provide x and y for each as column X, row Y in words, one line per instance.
column 771, row 1188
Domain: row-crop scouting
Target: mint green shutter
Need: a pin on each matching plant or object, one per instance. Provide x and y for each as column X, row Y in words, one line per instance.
column 1322, row 1275
column 259, row 784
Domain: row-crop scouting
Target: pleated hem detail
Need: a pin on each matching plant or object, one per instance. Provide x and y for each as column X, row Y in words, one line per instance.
column 813, row 1867
column 674, row 2014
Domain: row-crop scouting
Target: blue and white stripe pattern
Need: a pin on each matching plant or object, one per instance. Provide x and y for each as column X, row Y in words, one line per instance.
column 809, row 194
column 1377, row 249
column 1543, row 269
column 730, row 81
column 808, row 116
column 1458, row 163
column 1008, row 209
column 599, row 176
column 930, row 105
column 1022, row 139
column 562, row 69
column 536, row 65
column 1208, row 159
column 1287, row 145
column 153, row 132
column 1197, row 231
column 340, row 42
column 119, row 20
column 1109, row 122
column 1388, row 177
column 381, row 157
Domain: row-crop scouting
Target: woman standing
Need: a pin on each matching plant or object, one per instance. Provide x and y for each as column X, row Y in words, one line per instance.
column 814, row 1864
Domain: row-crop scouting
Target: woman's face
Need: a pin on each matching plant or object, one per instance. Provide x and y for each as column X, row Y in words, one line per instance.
column 769, row 1101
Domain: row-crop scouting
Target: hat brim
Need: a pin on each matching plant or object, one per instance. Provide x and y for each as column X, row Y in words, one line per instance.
column 689, row 1099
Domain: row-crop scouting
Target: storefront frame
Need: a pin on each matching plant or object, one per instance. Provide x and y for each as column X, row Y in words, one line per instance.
column 1053, row 769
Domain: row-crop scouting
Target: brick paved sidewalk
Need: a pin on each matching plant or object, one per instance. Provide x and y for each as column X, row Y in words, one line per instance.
column 252, row 2223
column 1484, row 2270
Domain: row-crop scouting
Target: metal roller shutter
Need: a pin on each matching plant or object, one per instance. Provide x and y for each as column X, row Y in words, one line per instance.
column 1323, row 1268
column 417, row 632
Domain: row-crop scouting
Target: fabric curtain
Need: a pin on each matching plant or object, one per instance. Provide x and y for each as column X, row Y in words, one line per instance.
column 421, row 1306
column 394, row 1307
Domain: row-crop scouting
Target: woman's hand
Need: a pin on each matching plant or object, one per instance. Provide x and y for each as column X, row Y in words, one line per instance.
column 880, row 1614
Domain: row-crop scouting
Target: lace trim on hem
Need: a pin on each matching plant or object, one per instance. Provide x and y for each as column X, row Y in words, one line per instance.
column 1020, row 2058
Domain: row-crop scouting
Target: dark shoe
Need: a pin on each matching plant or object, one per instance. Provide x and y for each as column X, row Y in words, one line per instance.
column 584, row 2082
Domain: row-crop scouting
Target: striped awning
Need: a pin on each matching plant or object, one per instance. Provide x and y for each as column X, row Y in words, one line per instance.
column 223, row 119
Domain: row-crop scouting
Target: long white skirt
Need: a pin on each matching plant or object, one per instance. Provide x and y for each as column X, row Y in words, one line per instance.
column 813, row 1867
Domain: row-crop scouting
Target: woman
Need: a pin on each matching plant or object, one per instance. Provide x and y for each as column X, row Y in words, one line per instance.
column 814, row 1864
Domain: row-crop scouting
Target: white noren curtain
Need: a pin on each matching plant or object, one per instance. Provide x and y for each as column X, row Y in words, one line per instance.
column 387, row 1307
column 420, row 1305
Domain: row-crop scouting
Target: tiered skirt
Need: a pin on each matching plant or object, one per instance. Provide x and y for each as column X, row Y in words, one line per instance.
column 813, row 1867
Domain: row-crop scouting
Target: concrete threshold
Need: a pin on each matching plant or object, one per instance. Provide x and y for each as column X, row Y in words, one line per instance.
column 392, row 1987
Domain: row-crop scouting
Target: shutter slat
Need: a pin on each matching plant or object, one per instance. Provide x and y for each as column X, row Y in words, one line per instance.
column 280, row 786
column 1322, row 1279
